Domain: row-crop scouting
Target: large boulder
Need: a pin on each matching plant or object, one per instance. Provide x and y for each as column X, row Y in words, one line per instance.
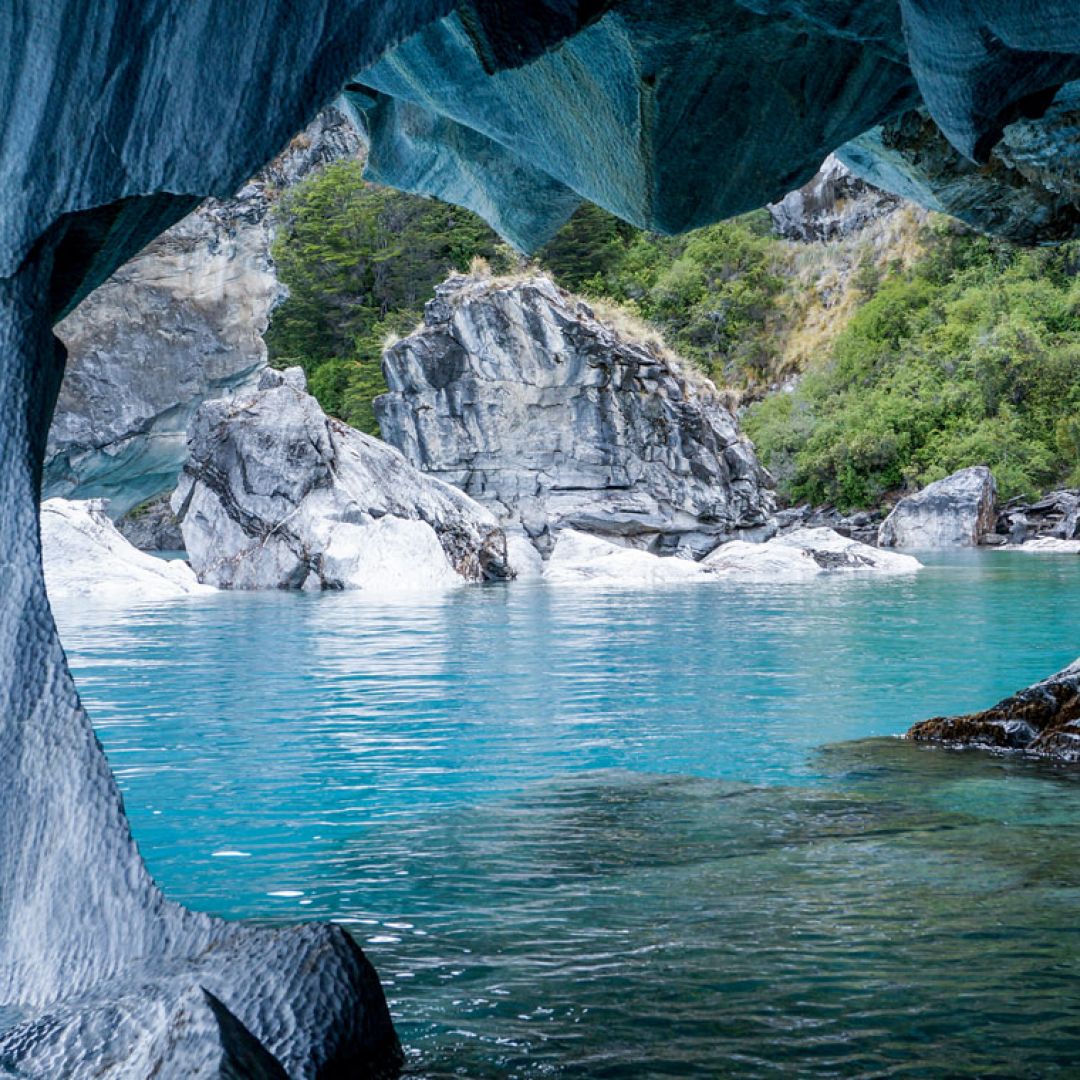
column 1043, row 720
column 519, row 395
column 275, row 494
column 179, row 324
column 955, row 512
column 86, row 557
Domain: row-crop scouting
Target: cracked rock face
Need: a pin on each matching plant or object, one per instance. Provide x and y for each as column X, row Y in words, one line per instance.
column 276, row 495
column 179, row 324
column 1042, row 720
column 955, row 512
column 521, row 397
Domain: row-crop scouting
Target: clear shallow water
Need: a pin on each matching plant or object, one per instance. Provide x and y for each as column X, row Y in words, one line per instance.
column 595, row 834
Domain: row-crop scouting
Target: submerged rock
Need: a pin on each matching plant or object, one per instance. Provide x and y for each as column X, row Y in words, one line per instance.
column 276, row 494
column 1043, row 720
column 180, row 324
column 955, row 512
column 516, row 393
column 86, row 556
column 803, row 554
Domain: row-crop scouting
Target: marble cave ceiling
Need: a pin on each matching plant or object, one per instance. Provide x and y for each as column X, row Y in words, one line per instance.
column 670, row 113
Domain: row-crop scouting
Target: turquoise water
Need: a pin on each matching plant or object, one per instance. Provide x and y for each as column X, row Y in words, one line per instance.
column 641, row 833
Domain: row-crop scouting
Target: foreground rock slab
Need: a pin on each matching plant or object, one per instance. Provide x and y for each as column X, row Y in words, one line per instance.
column 1043, row 720
column 85, row 556
column 802, row 555
column 955, row 512
column 276, row 495
column 518, row 394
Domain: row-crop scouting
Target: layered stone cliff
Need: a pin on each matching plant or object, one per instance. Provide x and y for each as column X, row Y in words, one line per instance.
column 523, row 398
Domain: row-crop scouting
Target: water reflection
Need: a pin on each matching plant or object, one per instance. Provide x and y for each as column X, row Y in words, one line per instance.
column 595, row 834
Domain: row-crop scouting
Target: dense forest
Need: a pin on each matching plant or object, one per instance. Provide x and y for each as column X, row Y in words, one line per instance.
column 865, row 367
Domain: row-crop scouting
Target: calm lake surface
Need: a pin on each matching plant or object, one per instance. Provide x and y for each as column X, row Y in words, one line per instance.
column 628, row 833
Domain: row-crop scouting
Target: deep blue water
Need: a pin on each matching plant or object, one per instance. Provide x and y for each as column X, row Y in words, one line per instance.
column 630, row 833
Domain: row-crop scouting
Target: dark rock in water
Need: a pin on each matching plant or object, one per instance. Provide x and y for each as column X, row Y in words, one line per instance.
column 180, row 324
column 1043, row 720
column 954, row 512
column 834, row 204
column 516, row 393
column 152, row 526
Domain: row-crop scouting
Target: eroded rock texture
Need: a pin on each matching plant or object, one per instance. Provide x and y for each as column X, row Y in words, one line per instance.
column 276, row 495
column 1043, row 720
column 516, row 393
column 181, row 323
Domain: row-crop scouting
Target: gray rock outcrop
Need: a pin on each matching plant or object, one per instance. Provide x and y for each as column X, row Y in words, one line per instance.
column 1042, row 720
column 516, row 393
column 275, row 494
column 152, row 526
column 954, row 512
column 1055, row 516
column 179, row 324
column 834, row 204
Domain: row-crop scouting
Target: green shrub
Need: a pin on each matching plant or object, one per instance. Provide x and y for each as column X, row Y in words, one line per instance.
column 972, row 357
